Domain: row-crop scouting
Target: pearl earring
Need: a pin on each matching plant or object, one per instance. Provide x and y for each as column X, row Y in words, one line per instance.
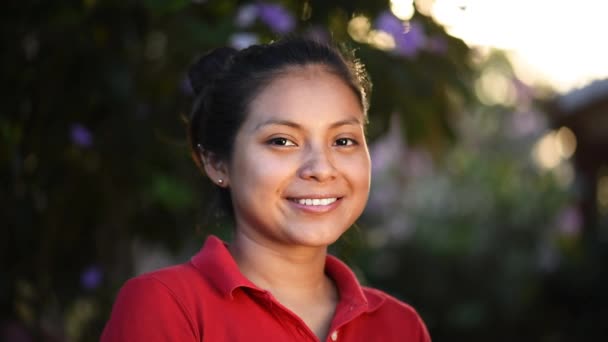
column 220, row 181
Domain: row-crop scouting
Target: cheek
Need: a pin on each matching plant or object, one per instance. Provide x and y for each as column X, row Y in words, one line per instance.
column 259, row 171
column 359, row 167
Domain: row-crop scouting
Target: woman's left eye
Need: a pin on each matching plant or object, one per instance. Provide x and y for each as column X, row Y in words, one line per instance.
column 345, row 142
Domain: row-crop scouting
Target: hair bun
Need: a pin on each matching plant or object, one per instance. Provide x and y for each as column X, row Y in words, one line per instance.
column 209, row 67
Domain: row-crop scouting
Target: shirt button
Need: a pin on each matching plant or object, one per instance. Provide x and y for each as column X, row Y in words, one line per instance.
column 334, row 335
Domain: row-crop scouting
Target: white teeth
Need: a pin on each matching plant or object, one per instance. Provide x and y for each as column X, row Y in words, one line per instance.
column 316, row 201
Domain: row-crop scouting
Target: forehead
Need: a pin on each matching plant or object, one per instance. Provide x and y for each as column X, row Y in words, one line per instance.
column 305, row 92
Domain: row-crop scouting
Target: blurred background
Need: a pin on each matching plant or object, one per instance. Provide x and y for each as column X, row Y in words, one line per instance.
column 488, row 134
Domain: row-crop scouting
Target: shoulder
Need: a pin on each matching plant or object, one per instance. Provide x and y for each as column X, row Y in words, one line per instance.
column 379, row 299
column 181, row 284
column 152, row 302
column 395, row 313
column 174, row 278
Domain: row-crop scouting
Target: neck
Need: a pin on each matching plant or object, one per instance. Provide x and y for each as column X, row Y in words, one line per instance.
column 286, row 273
column 295, row 277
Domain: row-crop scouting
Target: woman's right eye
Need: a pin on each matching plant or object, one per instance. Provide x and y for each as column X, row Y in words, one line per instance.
column 281, row 142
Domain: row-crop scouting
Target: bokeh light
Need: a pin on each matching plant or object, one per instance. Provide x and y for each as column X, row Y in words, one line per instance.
column 402, row 9
column 554, row 147
column 566, row 142
column 494, row 88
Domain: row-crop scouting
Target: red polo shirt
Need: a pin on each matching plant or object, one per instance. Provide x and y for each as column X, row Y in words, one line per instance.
column 208, row 299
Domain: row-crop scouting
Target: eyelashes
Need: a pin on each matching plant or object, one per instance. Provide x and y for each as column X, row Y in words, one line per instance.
column 345, row 142
column 281, row 142
column 285, row 142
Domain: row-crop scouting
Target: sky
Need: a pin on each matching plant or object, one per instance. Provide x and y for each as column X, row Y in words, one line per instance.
column 553, row 42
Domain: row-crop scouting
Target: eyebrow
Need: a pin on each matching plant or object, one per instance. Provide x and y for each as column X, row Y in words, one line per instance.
column 279, row 122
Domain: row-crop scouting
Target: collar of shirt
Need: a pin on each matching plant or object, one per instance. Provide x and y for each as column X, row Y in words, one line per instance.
column 216, row 264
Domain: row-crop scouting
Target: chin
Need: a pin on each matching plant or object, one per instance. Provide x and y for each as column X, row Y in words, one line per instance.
column 315, row 239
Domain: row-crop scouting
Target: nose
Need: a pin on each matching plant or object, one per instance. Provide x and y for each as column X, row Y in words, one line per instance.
column 318, row 165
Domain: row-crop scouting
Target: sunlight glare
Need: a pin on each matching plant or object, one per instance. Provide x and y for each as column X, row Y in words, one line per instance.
column 424, row 6
column 555, row 41
column 403, row 9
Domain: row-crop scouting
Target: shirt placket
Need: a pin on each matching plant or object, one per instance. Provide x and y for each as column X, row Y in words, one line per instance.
column 345, row 313
column 290, row 321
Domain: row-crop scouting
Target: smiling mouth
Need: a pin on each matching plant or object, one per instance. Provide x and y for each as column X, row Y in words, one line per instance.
column 315, row 201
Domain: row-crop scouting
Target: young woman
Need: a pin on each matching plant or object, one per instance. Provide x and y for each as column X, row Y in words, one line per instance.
column 279, row 128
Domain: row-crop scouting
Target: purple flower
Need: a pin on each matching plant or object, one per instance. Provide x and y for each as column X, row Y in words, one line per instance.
column 91, row 277
column 81, row 135
column 276, row 17
column 409, row 39
column 390, row 24
column 410, row 42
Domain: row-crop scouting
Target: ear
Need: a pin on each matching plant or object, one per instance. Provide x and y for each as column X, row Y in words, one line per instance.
column 215, row 168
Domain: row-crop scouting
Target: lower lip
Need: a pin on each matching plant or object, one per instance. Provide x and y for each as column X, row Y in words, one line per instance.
column 317, row 209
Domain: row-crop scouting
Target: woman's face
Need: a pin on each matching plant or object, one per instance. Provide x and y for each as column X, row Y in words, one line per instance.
column 300, row 169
